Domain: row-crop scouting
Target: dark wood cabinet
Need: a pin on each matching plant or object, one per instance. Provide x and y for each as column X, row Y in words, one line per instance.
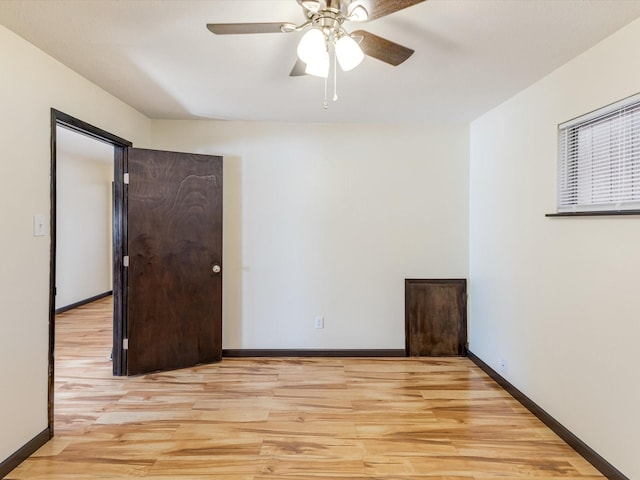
column 436, row 317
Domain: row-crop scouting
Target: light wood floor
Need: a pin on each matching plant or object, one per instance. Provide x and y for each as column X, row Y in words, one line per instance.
column 286, row 419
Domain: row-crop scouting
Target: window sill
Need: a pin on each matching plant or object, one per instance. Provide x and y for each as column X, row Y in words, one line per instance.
column 595, row 213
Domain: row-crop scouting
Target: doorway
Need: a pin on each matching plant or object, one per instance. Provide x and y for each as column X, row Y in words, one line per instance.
column 167, row 238
column 62, row 124
column 84, row 272
column 84, row 178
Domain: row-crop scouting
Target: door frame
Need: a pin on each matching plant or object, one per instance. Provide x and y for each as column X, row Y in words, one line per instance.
column 120, row 283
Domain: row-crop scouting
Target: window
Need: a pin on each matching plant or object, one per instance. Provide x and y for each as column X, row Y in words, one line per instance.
column 599, row 160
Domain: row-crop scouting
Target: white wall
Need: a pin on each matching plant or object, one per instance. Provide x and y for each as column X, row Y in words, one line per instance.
column 83, row 222
column 558, row 298
column 329, row 220
column 30, row 84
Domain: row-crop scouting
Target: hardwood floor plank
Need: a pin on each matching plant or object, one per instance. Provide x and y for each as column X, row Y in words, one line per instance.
column 286, row 419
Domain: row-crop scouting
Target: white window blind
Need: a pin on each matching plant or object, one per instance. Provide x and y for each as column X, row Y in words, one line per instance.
column 599, row 159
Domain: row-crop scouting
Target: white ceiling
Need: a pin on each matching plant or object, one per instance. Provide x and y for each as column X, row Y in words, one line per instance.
column 158, row 56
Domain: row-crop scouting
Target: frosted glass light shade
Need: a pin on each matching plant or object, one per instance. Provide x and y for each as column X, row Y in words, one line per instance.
column 349, row 53
column 312, row 46
column 313, row 5
column 319, row 67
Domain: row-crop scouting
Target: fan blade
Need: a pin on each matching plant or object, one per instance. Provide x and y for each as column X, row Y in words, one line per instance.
column 381, row 8
column 242, row 28
column 381, row 48
column 299, row 69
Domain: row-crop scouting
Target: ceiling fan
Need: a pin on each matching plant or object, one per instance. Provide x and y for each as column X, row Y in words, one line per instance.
column 326, row 38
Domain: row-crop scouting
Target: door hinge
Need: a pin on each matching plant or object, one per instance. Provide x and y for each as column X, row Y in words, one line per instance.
column 125, row 261
column 126, row 179
column 125, row 344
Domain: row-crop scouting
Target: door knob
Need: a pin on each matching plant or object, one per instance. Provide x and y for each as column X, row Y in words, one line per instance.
column 216, row 269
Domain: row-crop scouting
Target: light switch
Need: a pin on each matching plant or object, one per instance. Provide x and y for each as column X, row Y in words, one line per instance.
column 39, row 225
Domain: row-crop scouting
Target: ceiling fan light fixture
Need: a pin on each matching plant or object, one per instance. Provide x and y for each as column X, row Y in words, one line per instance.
column 312, row 46
column 325, row 43
column 312, row 5
column 319, row 67
column 349, row 53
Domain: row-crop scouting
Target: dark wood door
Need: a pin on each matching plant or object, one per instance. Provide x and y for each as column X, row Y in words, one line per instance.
column 436, row 317
column 175, row 259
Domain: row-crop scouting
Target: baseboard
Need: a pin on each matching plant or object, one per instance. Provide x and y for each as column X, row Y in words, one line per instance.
column 83, row 302
column 565, row 434
column 236, row 353
column 23, row 453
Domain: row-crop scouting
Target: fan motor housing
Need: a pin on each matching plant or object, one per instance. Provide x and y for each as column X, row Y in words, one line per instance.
column 340, row 7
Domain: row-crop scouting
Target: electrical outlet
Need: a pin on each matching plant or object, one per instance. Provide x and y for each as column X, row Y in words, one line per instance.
column 319, row 321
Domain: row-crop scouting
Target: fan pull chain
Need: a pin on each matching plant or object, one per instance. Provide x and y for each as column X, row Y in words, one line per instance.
column 325, row 104
column 335, row 78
